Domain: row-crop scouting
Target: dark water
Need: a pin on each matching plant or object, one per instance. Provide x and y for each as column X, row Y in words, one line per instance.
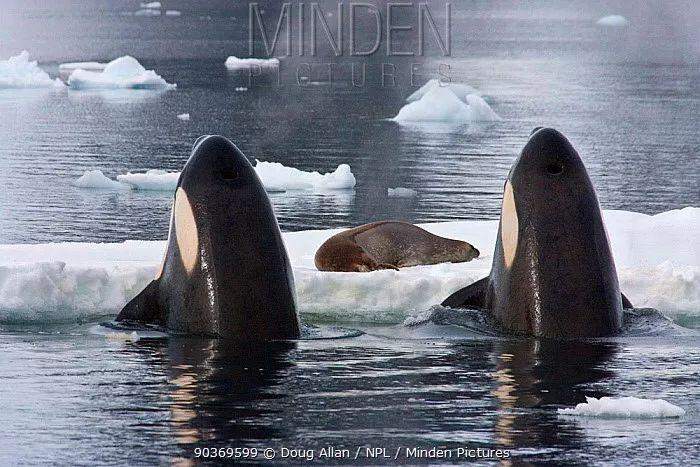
column 628, row 100
column 73, row 399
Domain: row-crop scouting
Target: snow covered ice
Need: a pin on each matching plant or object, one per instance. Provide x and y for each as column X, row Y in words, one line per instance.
column 123, row 73
column 235, row 63
column 184, row 117
column 624, row 407
column 441, row 104
column 459, row 89
column 274, row 176
column 613, row 21
column 96, row 179
column 656, row 258
column 18, row 72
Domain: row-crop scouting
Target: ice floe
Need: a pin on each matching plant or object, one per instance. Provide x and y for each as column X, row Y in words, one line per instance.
column 184, row 117
column 154, row 180
column 147, row 12
column 69, row 281
column 123, row 73
column 613, row 21
column 96, row 179
column 441, row 104
column 401, row 192
column 274, row 176
column 624, row 407
column 173, row 13
column 155, row 5
column 18, row 72
column 459, row 89
column 235, row 63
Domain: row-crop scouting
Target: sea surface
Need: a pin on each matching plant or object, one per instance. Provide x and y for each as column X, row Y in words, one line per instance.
column 628, row 99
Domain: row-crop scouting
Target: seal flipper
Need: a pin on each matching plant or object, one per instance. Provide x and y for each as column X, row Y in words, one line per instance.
column 145, row 307
column 626, row 304
column 472, row 296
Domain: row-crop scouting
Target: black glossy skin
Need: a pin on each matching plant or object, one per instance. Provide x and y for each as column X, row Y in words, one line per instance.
column 242, row 285
column 562, row 281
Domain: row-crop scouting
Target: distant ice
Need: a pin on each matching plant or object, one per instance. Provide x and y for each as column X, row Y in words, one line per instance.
column 152, row 180
column 461, row 90
column 241, row 89
column 147, row 12
column 624, row 407
column 656, row 258
column 173, row 13
column 96, row 179
column 88, row 66
column 184, row 117
column 151, row 5
column 274, row 176
column 613, row 21
column 18, row 72
column 440, row 104
column 123, row 73
column 401, row 192
column 235, row 63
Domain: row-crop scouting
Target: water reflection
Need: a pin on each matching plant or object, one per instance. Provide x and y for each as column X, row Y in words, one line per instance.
column 533, row 378
column 221, row 393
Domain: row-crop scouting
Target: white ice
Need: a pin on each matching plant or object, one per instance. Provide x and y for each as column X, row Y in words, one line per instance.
column 441, row 104
column 656, row 256
column 401, row 192
column 151, row 5
column 18, row 72
column 235, row 63
column 274, row 176
column 89, row 66
column 152, row 180
column 624, row 407
column 184, row 117
column 147, row 12
column 173, row 13
column 613, row 21
column 277, row 177
column 96, row 179
column 461, row 90
column 123, row 73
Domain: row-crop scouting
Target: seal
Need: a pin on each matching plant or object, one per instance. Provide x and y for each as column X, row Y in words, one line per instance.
column 389, row 245
column 226, row 272
column 553, row 274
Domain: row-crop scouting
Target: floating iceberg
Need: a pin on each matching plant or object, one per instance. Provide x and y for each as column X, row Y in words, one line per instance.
column 613, row 21
column 460, row 90
column 123, row 73
column 70, row 281
column 184, row 117
column 278, row 177
column 440, row 104
column 18, row 72
column 173, row 13
column 87, row 66
column 152, row 180
column 155, row 5
column 624, row 407
column 401, row 192
column 235, row 63
column 274, row 176
column 96, row 179
column 147, row 12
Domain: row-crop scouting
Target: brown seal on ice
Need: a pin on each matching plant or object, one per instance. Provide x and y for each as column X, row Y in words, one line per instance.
column 389, row 245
